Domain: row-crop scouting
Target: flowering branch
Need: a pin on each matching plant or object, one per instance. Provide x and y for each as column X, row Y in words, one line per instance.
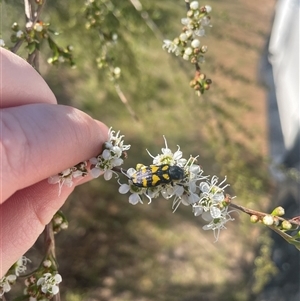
column 187, row 44
column 276, row 222
column 174, row 177
column 34, row 33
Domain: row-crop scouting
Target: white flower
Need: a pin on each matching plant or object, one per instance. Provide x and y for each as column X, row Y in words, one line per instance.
column 171, row 47
column 38, row 27
column 185, row 21
column 135, row 198
column 5, row 283
column 268, row 220
column 20, row 265
column 136, row 192
column 217, row 224
column 117, row 71
column 110, row 157
column 205, row 21
column 186, row 57
column 2, row 43
column 47, row 263
column 188, row 51
column 195, row 43
column 49, row 283
column 200, row 32
column 194, row 5
column 167, row 156
column 183, row 37
column 65, row 178
column 208, row 8
column 19, row 34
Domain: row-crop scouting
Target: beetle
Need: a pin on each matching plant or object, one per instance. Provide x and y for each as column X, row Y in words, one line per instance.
column 154, row 175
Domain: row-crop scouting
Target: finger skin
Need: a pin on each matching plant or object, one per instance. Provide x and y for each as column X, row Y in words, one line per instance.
column 40, row 140
column 20, row 83
column 23, row 218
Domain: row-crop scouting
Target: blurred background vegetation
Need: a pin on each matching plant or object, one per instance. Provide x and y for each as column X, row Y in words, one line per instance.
column 115, row 251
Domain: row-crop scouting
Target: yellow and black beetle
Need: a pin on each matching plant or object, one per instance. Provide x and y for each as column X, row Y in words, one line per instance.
column 154, row 175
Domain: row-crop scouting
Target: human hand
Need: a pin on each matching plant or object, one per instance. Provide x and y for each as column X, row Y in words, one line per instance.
column 38, row 139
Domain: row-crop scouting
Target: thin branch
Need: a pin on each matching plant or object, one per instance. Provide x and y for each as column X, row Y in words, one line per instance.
column 261, row 214
column 28, row 11
column 16, row 47
column 31, row 17
column 150, row 23
column 125, row 101
column 50, row 250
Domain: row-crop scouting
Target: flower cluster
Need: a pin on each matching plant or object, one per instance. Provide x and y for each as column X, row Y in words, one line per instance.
column 43, row 284
column 59, row 222
column 11, row 276
column 170, row 176
column 187, row 44
column 66, row 176
column 206, row 197
column 43, row 288
column 6, row 282
column 113, row 155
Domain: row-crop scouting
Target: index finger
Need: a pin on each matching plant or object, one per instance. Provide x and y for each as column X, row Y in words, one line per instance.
column 40, row 140
column 20, row 83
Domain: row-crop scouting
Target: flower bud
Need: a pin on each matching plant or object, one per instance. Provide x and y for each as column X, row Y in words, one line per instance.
column 204, row 49
column 268, row 220
column 278, row 211
column 47, row 263
column 286, row 225
column 195, row 43
column 194, row 5
column 183, row 37
column 202, row 76
column 38, row 26
column 254, row 219
column 208, row 8
column 15, row 26
column 190, row 13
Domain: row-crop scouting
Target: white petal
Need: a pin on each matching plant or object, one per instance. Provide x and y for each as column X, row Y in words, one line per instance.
column 207, row 216
column 185, row 21
column 117, row 150
column 117, row 162
column 131, row 171
column 58, row 278
column 204, row 187
column 195, row 43
column 218, row 197
column 95, row 172
column 178, row 190
column 106, row 155
column 197, row 211
column 215, row 212
column 108, row 175
column 208, row 8
column 134, row 199
column 194, row 5
column 124, row 188
column 54, row 179
column 55, row 289
column 193, row 198
column 93, row 161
